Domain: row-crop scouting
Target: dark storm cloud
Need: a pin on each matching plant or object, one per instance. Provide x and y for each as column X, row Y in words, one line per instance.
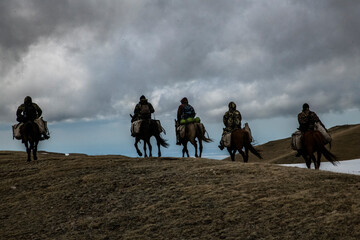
column 269, row 57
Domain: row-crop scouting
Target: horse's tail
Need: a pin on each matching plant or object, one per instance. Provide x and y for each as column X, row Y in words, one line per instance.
column 163, row 142
column 254, row 151
column 328, row 155
column 201, row 129
column 319, row 139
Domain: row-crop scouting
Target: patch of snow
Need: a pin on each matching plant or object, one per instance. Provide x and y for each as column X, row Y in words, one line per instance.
column 348, row 166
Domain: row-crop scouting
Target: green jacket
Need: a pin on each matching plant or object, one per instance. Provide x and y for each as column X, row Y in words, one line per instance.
column 232, row 120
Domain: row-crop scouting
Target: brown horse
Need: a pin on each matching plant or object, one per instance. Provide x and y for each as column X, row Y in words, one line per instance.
column 313, row 141
column 149, row 128
column 241, row 139
column 193, row 131
column 30, row 135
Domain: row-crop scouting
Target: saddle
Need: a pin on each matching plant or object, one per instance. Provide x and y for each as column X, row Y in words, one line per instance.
column 40, row 122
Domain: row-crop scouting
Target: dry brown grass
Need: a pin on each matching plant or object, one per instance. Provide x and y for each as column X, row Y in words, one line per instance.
column 345, row 146
column 116, row 197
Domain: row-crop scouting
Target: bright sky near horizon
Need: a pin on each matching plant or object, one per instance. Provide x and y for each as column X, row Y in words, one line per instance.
column 86, row 63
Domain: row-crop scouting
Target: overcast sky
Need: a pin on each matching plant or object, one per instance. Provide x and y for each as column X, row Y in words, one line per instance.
column 92, row 60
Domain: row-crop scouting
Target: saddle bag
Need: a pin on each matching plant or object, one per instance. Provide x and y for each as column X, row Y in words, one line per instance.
column 323, row 131
column 296, row 140
column 135, row 127
column 226, row 139
column 16, row 131
column 247, row 129
column 181, row 130
column 161, row 129
column 42, row 125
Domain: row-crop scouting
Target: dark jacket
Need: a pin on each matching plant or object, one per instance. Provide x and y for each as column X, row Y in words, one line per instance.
column 307, row 120
column 22, row 116
column 143, row 110
column 181, row 114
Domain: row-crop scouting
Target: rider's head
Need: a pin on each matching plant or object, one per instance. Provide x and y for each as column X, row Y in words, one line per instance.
column 184, row 101
column 143, row 99
column 27, row 100
column 305, row 106
column 232, row 106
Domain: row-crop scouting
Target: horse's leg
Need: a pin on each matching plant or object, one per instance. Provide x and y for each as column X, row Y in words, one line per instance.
column 243, row 155
column 35, row 150
column 28, row 151
column 185, row 149
column 145, row 142
column 318, row 159
column 193, row 142
column 232, row 153
column 200, row 146
column 136, row 146
column 150, row 148
column 158, row 144
column 246, row 159
column 312, row 158
column 307, row 161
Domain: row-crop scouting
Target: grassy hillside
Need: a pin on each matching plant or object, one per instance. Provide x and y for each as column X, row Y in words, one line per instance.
column 116, row 197
column 345, row 145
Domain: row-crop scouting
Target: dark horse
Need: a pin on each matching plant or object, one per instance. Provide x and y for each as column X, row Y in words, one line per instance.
column 313, row 141
column 193, row 131
column 149, row 128
column 241, row 139
column 30, row 135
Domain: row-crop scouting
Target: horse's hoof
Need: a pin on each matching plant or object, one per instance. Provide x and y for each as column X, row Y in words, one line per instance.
column 140, row 154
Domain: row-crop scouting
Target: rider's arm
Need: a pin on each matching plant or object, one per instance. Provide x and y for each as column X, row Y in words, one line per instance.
column 179, row 112
column 152, row 110
column 20, row 110
column 38, row 110
column 225, row 119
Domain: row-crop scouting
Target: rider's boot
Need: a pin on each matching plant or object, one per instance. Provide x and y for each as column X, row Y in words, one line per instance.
column 221, row 146
column 177, row 139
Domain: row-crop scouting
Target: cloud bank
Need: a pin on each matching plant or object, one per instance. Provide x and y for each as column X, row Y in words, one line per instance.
column 93, row 59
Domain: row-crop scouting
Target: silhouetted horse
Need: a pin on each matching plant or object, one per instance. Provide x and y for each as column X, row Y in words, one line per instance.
column 193, row 131
column 149, row 128
column 30, row 135
column 313, row 141
column 241, row 139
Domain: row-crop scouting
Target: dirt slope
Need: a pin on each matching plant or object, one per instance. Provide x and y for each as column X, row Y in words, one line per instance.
column 345, row 145
column 115, row 197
